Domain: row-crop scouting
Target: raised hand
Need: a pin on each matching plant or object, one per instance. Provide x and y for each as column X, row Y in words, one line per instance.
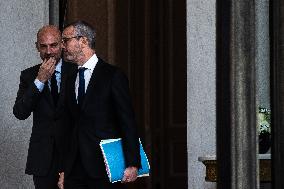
column 46, row 69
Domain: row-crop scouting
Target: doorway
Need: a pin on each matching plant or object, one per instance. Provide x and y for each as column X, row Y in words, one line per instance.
column 147, row 39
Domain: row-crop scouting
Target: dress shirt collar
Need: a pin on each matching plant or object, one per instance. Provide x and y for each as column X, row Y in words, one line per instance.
column 91, row 63
column 58, row 66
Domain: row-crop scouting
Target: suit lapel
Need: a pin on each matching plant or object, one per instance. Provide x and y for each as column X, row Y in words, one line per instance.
column 71, row 96
column 92, row 83
column 65, row 69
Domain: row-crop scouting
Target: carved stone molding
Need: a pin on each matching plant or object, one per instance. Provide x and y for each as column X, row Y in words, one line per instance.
column 210, row 163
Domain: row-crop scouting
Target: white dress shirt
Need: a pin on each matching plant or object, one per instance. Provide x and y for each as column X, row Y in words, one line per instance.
column 90, row 65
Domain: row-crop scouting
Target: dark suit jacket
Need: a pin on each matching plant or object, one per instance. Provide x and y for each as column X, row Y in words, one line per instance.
column 106, row 113
column 47, row 131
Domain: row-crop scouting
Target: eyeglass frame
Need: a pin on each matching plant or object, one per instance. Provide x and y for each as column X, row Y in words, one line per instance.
column 66, row 39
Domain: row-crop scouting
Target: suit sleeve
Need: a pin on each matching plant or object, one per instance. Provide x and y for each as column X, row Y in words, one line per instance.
column 126, row 118
column 27, row 98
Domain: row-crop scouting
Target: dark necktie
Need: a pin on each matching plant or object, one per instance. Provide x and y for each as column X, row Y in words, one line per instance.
column 54, row 88
column 81, row 88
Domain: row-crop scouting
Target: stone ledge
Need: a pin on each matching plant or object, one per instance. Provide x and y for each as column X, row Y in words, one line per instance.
column 210, row 163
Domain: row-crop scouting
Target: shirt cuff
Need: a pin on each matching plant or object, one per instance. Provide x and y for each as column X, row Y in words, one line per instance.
column 39, row 85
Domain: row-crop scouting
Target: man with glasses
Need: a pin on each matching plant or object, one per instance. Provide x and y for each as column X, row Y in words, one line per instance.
column 40, row 93
column 99, row 105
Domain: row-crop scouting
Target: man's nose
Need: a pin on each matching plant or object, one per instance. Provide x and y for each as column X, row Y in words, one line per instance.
column 48, row 50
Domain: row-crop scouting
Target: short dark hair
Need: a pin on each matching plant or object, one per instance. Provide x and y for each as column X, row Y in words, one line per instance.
column 84, row 29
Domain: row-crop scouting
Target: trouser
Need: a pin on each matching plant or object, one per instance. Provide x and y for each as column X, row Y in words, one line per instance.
column 79, row 179
column 50, row 180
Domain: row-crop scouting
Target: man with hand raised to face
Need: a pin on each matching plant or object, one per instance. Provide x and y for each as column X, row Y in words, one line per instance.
column 40, row 93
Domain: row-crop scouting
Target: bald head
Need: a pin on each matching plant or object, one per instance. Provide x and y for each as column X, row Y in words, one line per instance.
column 48, row 29
column 49, row 42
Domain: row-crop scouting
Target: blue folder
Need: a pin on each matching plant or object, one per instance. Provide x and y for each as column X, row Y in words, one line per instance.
column 115, row 162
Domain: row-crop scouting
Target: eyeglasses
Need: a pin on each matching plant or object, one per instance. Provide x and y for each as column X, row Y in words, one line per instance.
column 66, row 39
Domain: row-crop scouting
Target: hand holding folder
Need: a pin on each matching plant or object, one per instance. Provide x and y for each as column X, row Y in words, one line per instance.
column 130, row 174
column 115, row 162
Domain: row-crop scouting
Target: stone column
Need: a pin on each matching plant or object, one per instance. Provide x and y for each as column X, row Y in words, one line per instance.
column 262, row 53
column 19, row 22
column 54, row 12
column 201, row 88
column 236, row 118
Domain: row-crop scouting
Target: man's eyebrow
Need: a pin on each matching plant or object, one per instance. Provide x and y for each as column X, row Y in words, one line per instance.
column 55, row 43
column 44, row 44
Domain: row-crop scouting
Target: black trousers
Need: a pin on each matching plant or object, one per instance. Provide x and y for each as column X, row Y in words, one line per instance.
column 50, row 180
column 79, row 179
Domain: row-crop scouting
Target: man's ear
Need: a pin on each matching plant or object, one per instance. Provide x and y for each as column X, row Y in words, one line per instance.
column 36, row 44
column 84, row 41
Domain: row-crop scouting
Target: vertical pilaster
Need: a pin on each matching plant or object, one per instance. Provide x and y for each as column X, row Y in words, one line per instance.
column 54, row 12
column 20, row 21
column 236, row 118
